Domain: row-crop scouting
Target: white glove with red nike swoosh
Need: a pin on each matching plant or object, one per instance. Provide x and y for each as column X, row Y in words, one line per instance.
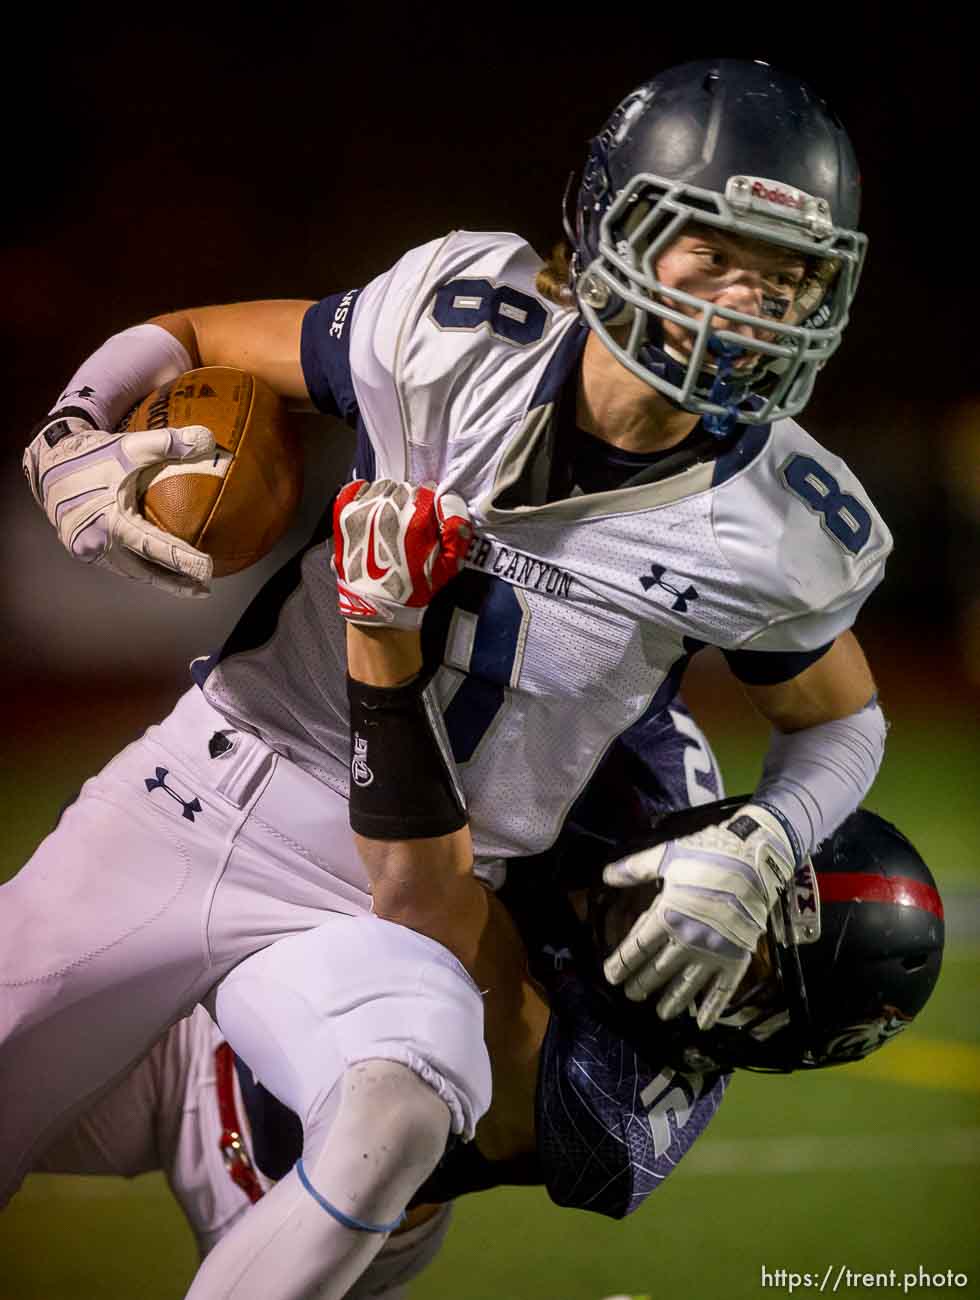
column 395, row 546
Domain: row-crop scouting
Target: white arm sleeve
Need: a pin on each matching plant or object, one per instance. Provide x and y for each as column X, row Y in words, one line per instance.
column 813, row 779
column 122, row 371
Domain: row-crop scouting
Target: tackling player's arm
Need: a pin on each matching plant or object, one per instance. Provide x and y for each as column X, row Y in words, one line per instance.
column 399, row 777
column 395, row 546
column 426, row 883
column 719, row 885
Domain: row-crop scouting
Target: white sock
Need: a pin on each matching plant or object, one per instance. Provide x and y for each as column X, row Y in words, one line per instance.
column 387, row 1136
column 403, row 1257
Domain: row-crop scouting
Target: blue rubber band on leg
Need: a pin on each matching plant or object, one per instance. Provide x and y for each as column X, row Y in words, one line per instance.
column 339, row 1215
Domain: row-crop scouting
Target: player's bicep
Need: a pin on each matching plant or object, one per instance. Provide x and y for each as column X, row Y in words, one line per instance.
column 836, row 685
column 260, row 337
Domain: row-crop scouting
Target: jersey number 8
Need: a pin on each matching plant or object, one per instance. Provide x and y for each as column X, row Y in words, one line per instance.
column 505, row 311
column 842, row 515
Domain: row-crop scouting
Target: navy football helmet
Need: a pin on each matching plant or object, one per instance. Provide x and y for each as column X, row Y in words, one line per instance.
column 848, row 964
column 747, row 150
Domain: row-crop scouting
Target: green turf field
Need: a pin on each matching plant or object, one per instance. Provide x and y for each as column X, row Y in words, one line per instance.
column 873, row 1167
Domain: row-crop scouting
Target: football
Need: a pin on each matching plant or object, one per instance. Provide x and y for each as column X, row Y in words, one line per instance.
column 238, row 504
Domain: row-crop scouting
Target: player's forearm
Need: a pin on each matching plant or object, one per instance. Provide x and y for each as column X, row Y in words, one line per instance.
column 401, row 788
column 262, row 338
column 827, row 744
column 815, row 778
column 428, row 886
column 383, row 656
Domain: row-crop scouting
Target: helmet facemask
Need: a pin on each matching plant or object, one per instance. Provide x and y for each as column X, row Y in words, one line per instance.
column 620, row 288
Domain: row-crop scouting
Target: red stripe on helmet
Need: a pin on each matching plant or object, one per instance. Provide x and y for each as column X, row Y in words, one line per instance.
column 856, row 886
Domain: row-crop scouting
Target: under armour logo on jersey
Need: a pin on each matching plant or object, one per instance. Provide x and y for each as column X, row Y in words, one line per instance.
column 655, row 578
column 559, row 956
column 159, row 782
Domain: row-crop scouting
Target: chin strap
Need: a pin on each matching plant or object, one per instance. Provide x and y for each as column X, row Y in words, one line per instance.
column 725, row 390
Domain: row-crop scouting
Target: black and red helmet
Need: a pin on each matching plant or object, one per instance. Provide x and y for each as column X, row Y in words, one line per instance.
column 850, row 963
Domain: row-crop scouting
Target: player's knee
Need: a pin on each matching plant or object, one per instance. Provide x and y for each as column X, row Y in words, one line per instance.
column 435, row 1024
column 420, row 1117
column 404, row 1122
column 383, row 994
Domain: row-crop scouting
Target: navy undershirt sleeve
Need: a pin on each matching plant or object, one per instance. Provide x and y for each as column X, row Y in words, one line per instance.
column 325, row 355
column 770, row 667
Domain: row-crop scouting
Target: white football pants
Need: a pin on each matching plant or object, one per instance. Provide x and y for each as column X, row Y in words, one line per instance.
column 165, row 1115
column 181, row 858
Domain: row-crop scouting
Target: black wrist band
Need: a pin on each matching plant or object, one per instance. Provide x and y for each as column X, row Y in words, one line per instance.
column 54, row 436
column 403, row 779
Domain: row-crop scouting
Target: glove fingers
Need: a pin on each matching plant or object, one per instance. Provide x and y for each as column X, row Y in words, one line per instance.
column 130, row 565
column 455, row 535
column 639, row 949
column 455, row 527
column 621, row 875
column 637, row 869
column 134, row 532
column 348, row 493
column 382, row 487
column 449, row 504
column 702, row 913
column 682, row 991
column 146, row 447
column 193, row 441
column 668, row 966
column 720, row 993
column 665, row 965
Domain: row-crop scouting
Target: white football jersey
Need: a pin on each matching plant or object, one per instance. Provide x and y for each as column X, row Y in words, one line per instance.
column 575, row 617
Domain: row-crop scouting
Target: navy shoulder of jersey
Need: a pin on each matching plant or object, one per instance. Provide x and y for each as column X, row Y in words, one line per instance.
column 325, row 355
column 408, row 358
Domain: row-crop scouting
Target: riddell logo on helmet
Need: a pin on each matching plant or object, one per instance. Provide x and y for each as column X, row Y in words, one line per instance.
column 784, row 197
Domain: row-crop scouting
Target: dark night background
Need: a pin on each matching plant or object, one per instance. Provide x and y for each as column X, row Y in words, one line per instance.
column 206, row 159
column 221, row 158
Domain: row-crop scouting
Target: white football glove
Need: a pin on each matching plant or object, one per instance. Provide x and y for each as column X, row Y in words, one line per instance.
column 88, row 483
column 395, row 546
column 699, row 935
